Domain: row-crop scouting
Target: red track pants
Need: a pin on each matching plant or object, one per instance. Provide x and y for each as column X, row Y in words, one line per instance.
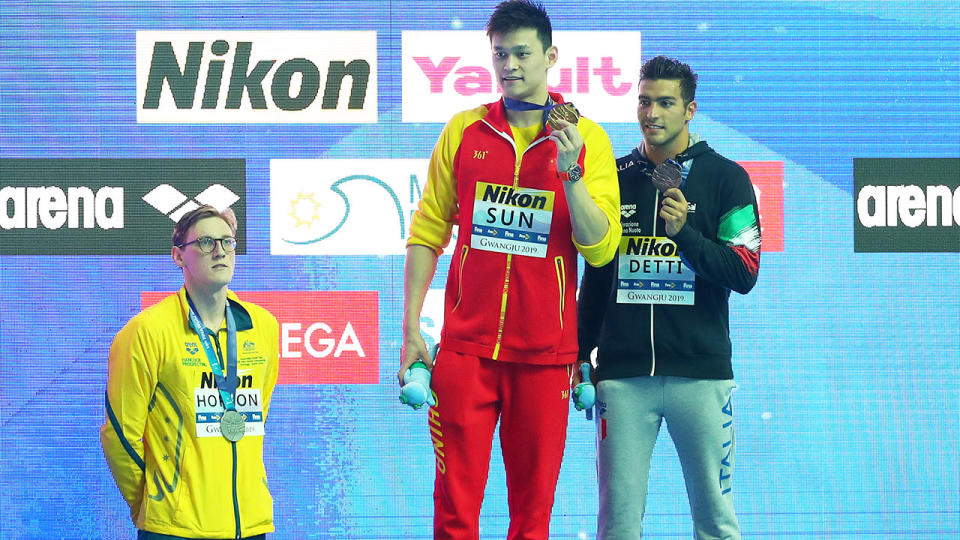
column 531, row 402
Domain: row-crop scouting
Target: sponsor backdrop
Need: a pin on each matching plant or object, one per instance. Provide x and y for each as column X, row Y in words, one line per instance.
column 314, row 121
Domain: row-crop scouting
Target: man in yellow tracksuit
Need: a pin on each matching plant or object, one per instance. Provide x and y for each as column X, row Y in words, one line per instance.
column 189, row 387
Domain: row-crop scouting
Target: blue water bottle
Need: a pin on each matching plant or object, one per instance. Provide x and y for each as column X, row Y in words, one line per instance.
column 416, row 385
column 585, row 394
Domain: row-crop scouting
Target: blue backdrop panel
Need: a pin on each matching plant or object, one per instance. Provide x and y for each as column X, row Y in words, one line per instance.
column 847, row 361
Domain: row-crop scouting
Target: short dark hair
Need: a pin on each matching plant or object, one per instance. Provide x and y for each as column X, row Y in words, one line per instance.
column 661, row 67
column 518, row 14
column 189, row 219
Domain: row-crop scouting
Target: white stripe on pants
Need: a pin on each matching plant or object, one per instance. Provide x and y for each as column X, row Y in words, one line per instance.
column 699, row 417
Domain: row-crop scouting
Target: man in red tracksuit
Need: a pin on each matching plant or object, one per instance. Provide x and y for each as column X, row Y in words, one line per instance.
column 525, row 199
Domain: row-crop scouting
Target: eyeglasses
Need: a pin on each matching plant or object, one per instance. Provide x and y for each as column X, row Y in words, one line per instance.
column 208, row 243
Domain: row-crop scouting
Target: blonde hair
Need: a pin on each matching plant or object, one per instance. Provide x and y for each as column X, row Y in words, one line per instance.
column 189, row 219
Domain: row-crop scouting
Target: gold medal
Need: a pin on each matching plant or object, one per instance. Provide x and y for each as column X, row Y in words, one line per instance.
column 563, row 111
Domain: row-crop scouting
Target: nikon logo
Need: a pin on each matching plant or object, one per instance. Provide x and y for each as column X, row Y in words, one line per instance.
column 906, row 205
column 256, row 77
column 51, row 207
column 648, row 246
column 509, row 196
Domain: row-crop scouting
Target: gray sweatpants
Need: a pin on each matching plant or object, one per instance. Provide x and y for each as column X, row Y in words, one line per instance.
column 699, row 415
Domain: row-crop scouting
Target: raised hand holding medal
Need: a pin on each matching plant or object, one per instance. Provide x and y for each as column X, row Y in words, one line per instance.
column 562, row 122
column 667, row 175
column 563, row 111
column 668, row 178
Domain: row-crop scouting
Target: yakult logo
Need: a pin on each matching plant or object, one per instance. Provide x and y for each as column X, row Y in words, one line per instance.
column 256, row 77
column 441, row 81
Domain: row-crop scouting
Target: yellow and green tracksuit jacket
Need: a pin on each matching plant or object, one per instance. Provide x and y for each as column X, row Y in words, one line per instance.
column 161, row 435
column 511, row 288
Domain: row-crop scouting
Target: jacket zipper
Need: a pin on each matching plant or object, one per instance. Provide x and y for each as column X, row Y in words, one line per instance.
column 653, row 348
column 506, row 276
column 236, row 502
column 503, row 306
column 233, row 449
column 463, row 260
column 506, row 272
column 562, row 284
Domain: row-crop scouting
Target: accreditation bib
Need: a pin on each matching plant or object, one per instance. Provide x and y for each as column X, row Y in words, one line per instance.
column 650, row 271
column 509, row 219
column 210, row 411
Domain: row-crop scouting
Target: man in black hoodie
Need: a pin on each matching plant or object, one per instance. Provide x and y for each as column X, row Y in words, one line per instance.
column 658, row 314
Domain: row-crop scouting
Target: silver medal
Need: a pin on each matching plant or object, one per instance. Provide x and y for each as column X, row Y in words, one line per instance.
column 232, row 426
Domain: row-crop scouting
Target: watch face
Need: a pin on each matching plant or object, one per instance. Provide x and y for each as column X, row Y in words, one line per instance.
column 575, row 172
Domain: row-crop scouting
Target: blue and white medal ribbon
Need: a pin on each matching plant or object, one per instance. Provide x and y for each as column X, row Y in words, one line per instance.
column 232, row 424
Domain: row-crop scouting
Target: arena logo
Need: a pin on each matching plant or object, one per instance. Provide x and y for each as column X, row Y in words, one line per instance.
column 50, row 207
column 326, row 337
column 109, row 206
column 912, row 206
column 256, row 76
column 174, row 204
column 343, row 206
column 438, row 85
column 906, row 205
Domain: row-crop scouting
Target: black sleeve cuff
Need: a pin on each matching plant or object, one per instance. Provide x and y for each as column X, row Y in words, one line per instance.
column 686, row 237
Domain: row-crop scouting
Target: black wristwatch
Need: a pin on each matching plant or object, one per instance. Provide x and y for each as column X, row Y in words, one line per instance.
column 573, row 173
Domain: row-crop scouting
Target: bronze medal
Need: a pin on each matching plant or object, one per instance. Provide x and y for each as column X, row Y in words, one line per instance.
column 667, row 175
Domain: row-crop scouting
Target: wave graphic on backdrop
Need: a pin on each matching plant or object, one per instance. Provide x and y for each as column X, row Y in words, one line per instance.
column 346, row 214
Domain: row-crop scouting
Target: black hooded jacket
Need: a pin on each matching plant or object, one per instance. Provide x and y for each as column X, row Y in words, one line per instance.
column 720, row 244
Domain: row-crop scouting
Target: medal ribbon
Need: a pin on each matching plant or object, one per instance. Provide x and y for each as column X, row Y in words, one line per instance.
column 681, row 161
column 227, row 389
column 517, row 105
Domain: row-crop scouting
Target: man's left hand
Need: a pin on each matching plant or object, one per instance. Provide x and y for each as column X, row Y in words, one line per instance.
column 569, row 143
column 673, row 210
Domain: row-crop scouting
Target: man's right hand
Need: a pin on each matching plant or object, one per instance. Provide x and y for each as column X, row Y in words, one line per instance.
column 414, row 348
column 576, row 378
